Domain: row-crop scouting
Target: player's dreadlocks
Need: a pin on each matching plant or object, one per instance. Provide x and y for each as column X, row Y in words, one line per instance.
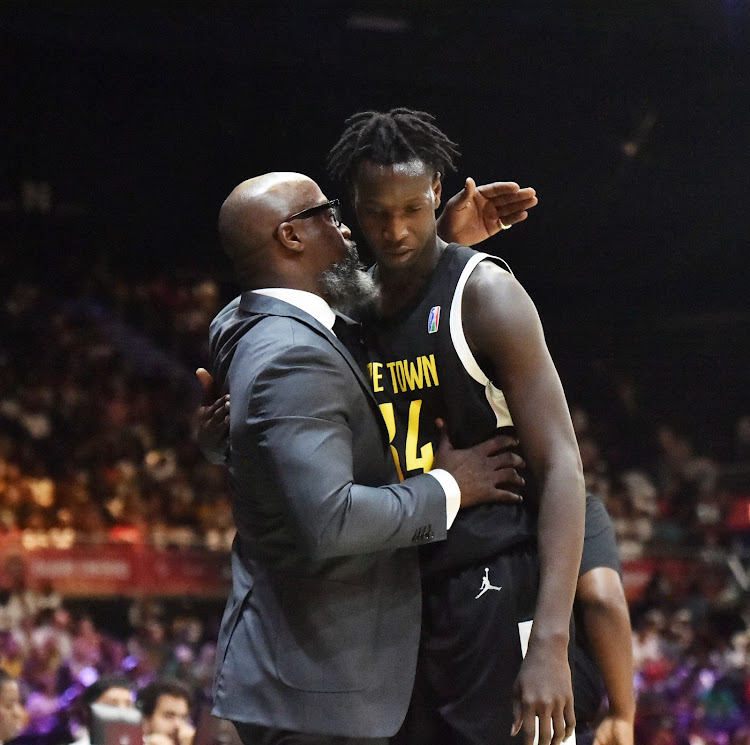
column 395, row 137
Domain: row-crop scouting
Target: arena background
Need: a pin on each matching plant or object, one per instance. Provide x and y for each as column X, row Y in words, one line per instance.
column 123, row 128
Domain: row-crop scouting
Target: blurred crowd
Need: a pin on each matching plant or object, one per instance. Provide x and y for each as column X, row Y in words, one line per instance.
column 97, row 399
column 55, row 656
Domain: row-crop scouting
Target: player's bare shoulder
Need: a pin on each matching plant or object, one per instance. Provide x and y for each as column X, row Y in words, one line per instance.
column 501, row 322
column 494, row 299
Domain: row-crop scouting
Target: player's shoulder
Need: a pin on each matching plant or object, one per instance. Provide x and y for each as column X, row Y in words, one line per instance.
column 492, row 290
column 491, row 275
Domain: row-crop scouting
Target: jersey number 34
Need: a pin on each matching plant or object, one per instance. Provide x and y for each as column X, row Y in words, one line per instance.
column 413, row 460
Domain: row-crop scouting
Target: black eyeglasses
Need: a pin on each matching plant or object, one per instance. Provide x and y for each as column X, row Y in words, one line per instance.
column 334, row 205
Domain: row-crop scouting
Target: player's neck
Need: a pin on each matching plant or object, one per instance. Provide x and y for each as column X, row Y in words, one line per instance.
column 399, row 286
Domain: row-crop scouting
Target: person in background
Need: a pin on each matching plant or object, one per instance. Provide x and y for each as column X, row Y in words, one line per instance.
column 165, row 705
column 110, row 690
column 603, row 651
column 12, row 713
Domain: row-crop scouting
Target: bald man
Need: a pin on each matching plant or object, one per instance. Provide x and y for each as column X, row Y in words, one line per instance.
column 319, row 639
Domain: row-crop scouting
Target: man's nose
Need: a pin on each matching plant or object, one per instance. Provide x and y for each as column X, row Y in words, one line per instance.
column 344, row 228
column 395, row 230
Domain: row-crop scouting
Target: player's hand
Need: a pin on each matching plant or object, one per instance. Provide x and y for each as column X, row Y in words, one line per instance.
column 543, row 689
column 614, row 731
column 212, row 420
column 487, row 472
column 479, row 212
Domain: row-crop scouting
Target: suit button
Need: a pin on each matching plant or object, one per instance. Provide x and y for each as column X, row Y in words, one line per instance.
column 424, row 533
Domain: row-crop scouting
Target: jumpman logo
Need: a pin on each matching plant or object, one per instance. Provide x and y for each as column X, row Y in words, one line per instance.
column 486, row 584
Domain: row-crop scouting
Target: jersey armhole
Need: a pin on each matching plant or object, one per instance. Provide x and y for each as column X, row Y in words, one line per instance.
column 495, row 397
column 456, row 318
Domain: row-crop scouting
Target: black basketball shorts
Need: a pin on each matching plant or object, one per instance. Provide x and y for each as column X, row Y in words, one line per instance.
column 471, row 651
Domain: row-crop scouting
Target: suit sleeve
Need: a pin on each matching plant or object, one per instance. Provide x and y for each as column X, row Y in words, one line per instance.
column 298, row 422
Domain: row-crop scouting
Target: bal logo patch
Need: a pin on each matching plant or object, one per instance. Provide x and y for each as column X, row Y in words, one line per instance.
column 434, row 320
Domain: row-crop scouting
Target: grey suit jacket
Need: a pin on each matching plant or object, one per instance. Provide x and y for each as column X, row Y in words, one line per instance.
column 321, row 630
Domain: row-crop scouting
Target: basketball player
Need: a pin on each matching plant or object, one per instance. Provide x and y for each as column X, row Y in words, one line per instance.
column 388, row 209
column 455, row 336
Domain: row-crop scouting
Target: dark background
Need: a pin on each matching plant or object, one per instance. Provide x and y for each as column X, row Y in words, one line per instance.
column 632, row 121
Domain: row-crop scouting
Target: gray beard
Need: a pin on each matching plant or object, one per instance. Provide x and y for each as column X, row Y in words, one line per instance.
column 346, row 286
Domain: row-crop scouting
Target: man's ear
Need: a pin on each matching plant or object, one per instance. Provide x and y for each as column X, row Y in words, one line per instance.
column 288, row 237
column 437, row 190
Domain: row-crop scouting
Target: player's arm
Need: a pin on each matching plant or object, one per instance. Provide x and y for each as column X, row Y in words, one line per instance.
column 479, row 212
column 604, row 608
column 502, row 325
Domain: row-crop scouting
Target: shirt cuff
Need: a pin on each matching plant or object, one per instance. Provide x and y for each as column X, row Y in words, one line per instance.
column 452, row 493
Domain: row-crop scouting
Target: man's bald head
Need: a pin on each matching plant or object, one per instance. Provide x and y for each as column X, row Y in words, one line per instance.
column 313, row 252
column 251, row 214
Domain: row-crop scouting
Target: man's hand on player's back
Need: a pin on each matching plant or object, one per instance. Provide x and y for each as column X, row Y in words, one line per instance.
column 487, row 472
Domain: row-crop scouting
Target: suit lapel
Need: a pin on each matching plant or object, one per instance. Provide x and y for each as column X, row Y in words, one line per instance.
column 252, row 302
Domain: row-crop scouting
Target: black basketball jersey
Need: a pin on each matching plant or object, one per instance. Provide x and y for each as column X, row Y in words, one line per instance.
column 421, row 368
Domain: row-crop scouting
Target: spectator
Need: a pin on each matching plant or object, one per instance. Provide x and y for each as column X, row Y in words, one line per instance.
column 12, row 714
column 111, row 690
column 165, row 705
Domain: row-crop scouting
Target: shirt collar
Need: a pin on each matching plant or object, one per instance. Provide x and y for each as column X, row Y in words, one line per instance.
column 310, row 303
